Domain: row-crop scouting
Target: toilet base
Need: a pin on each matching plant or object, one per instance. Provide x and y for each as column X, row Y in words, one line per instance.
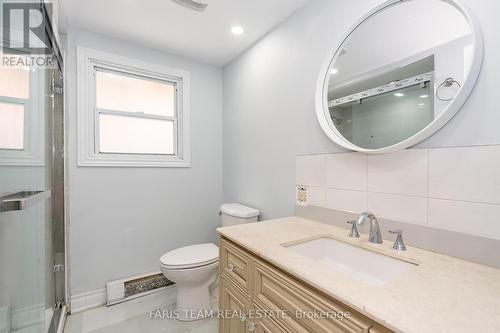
column 193, row 303
column 193, row 290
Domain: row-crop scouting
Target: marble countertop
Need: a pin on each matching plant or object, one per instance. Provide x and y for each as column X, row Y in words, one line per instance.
column 442, row 294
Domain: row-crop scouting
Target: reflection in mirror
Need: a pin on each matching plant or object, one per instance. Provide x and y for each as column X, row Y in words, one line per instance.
column 390, row 81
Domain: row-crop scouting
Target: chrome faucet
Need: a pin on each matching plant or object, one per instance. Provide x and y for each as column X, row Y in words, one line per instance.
column 375, row 235
column 399, row 245
column 354, row 229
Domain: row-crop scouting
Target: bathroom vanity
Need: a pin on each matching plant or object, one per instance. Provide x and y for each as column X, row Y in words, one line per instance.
column 297, row 275
column 249, row 283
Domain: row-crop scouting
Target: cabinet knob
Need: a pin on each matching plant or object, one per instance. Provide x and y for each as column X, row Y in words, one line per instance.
column 231, row 267
column 252, row 326
column 243, row 317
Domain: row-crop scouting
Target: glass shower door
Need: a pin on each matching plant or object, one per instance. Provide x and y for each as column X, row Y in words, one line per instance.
column 26, row 264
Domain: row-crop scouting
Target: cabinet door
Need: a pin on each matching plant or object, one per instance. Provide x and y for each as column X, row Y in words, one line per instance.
column 236, row 307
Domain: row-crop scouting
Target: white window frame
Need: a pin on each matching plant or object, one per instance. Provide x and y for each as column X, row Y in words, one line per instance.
column 32, row 153
column 88, row 113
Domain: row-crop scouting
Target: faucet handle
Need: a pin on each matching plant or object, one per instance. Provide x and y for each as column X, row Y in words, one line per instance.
column 354, row 229
column 398, row 244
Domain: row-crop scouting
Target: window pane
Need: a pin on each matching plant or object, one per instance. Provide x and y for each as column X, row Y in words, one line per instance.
column 14, row 81
column 119, row 134
column 115, row 91
column 11, row 126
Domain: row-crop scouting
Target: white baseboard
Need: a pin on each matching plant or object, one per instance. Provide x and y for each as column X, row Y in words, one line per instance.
column 88, row 300
column 100, row 317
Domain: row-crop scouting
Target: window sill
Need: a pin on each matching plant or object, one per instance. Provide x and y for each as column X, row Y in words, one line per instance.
column 134, row 162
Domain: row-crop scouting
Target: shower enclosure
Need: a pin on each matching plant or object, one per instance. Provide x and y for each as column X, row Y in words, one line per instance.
column 32, row 225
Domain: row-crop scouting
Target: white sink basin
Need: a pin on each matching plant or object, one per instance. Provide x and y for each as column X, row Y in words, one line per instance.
column 370, row 267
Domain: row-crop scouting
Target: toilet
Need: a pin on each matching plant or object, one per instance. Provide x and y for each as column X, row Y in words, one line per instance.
column 194, row 268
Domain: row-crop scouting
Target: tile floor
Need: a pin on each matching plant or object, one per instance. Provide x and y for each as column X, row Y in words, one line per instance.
column 134, row 316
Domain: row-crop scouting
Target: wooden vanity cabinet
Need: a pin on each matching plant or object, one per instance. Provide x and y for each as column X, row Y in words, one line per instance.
column 251, row 286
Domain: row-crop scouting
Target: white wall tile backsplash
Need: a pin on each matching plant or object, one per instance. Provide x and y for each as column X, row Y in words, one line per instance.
column 455, row 189
column 467, row 217
column 468, row 174
column 403, row 172
column 316, row 196
column 346, row 171
column 310, row 170
column 398, row 207
column 351, row 201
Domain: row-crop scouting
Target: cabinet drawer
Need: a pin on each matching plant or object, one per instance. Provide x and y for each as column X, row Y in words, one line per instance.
column 274, row 290
column 235, row 264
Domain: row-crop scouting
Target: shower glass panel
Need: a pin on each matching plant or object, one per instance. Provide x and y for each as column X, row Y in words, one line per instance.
column 25, row 229
column 386, row 119
column 31, row 188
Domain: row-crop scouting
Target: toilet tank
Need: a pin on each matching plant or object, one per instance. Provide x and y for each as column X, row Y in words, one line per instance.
column 235, row 213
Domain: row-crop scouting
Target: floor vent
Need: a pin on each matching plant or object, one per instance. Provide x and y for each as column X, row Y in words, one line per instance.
column 136, row 286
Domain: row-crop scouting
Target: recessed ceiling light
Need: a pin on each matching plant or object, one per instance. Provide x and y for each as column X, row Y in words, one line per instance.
column 334, row 71
column 237, row 30
column 424, row 96
column 421, row 104
column 399, row 94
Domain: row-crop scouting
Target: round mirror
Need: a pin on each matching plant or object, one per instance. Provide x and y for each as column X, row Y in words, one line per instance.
column 399, row 75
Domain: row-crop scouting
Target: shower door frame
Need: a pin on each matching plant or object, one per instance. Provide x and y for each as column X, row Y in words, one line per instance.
column 59, row 202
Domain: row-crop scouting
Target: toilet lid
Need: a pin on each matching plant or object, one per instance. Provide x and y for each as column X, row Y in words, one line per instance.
column 191, row 256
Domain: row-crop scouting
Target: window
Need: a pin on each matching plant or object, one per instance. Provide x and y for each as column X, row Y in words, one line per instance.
column 14, row 98
column 20, row 140
column 131, row 113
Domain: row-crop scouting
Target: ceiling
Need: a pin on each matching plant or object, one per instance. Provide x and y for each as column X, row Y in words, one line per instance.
column 165, row 25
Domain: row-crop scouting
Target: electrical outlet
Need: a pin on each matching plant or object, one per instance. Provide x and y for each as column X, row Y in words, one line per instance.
column 301, row 195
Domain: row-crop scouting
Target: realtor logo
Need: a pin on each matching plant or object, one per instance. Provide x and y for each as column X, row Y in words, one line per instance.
column 23, row 27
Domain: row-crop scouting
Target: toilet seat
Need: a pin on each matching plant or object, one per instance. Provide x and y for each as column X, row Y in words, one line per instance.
column 190, row 256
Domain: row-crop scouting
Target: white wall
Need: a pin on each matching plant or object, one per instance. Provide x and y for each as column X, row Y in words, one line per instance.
column 121, row 220
column 269, row 114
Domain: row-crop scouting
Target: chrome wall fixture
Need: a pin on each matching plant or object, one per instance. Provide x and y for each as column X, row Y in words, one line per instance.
column 449, row 82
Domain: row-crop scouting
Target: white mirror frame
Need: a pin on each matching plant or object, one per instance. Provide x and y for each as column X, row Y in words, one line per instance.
column 463, row 93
